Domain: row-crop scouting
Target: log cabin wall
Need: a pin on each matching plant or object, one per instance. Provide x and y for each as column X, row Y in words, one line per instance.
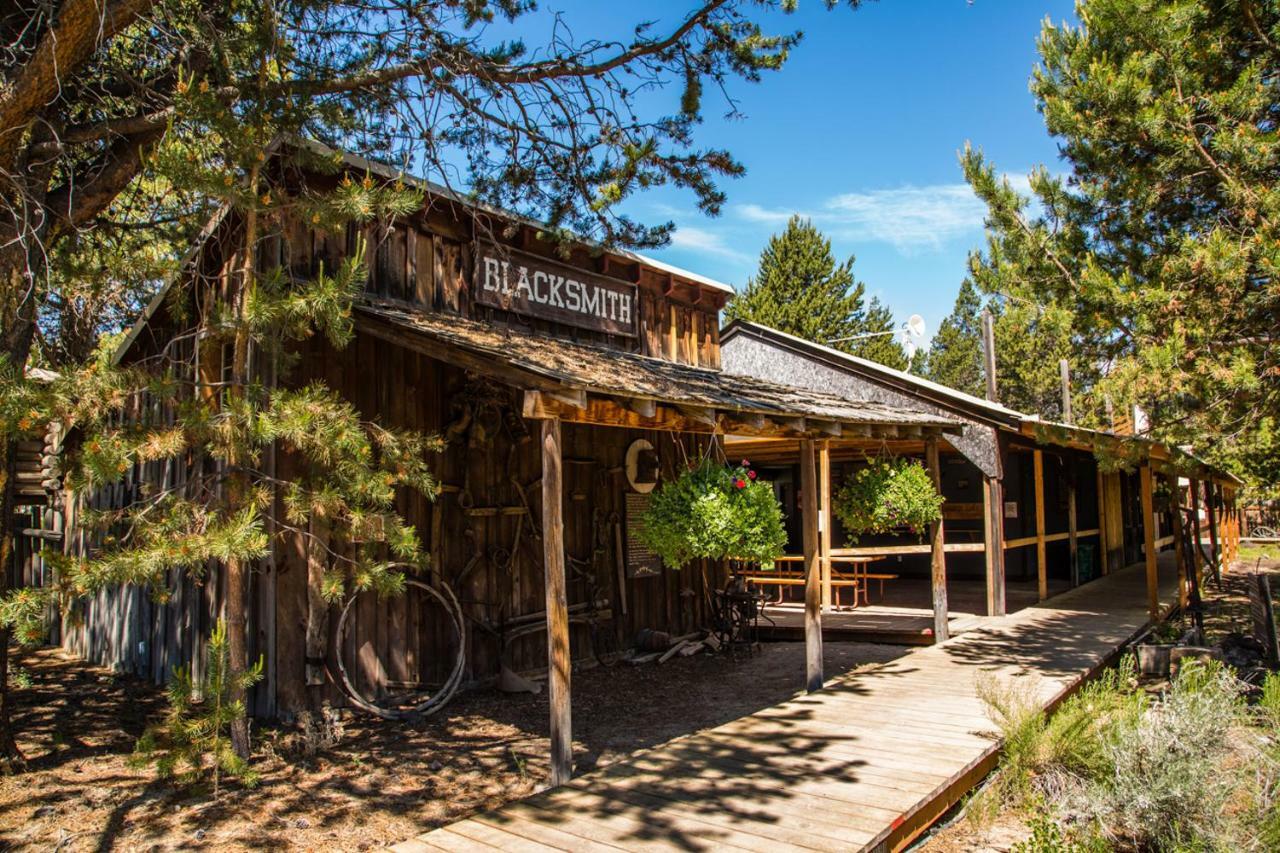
column 470, row 529
column 482, row 540
column 428, row 260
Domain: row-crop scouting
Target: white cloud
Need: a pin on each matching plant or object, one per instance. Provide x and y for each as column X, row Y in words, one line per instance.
column 909, row 218
column 706, row 242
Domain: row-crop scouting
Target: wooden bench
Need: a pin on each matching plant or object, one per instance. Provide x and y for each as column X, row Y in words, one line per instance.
column 781, row 579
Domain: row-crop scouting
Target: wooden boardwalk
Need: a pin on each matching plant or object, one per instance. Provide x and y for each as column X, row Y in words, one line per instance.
column 867, row 763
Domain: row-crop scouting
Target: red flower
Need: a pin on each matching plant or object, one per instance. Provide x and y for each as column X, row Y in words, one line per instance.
column 740, row 483
column 751, row 474
column 746, row 463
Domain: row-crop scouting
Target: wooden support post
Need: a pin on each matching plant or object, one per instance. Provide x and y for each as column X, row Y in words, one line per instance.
column 1042, row 566
column 1064, row 373
column 1197, row 556
column 1215, row 551
column 1179, row 551
column 989, row 355
column 1149, row 535
column 813, row 568
column 993, row 535
column 937, row 555
column 558, row 661
column 824, row 525
column 1103, row 541
column 1073, row 537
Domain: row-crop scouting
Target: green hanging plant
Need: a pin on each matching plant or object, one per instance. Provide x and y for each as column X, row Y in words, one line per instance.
column 888, row 494
column 714, row 511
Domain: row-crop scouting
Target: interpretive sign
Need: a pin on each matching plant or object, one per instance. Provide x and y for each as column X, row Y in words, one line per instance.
column 641, row 562
column 540, row 287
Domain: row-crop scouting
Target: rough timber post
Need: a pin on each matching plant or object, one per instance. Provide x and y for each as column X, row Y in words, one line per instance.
column 1215, row 552
column 558, row 666
column 937, row 553
column 993, row 534
column 1042, row 566
column 824, row 527
column 1180, row 554
column 1197, row 555
column 1103, row 535
column 812, row 567
column 1149, row 544
column 1073, row 532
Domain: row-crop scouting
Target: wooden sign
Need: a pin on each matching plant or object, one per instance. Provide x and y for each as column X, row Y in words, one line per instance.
column 641, row 562
column 954, row 511
column 549, row 290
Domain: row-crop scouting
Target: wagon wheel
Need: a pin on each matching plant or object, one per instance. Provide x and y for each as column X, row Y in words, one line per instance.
column 1263, row 532
column 444, row 597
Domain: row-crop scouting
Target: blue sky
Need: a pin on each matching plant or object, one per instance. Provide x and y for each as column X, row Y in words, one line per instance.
column 861, row 131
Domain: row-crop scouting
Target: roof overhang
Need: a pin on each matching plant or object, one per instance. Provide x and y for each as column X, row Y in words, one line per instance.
column 964, row 405
column 591, row 385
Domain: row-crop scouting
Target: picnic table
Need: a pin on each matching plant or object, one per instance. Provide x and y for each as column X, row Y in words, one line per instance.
column 857, row 579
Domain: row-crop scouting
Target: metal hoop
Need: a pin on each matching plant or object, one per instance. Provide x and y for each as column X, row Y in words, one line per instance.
column 445, row 598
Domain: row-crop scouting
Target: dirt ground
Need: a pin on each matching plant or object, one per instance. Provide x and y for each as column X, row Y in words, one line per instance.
column 380, row 783
column 1226, row 612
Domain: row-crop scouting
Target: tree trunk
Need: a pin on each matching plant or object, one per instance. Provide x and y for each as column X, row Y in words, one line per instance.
column 238, row 486
column 17, row 313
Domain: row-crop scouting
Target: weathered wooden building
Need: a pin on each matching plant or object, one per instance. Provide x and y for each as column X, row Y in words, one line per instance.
column 1030, row 510
column 547, row 373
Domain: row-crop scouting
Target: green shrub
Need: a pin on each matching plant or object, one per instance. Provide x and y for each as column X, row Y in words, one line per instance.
column 886, row 495
column 195, row 731
column 714, row 511
column 1165, row 787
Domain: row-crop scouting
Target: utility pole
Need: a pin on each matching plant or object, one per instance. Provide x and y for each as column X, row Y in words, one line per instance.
column 989, row 354
column 1064, row 370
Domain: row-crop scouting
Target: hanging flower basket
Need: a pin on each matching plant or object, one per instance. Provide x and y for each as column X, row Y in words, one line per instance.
column 714, row 511
column 888, row 494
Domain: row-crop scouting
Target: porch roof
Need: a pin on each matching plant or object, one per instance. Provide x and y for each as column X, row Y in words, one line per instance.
column 590, row 384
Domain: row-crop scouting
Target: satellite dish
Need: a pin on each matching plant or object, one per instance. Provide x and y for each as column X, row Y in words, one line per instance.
column 915, row 325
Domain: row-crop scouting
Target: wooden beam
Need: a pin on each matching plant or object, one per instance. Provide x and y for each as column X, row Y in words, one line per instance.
column 1102, row 522
column 642, row 407
column 558, row 660
column 1149, row 535
column 824, row 525
column 1073, row 537
column 1215, row 552
column 838, row 554
column 993, row 547
column 1197, row 556
column 831, row 428
column 573, row 397
column 938, row 554
column 1042, row 566
column 813, row 567
column 793, row 424
column 1179, row 552
column 700, row 414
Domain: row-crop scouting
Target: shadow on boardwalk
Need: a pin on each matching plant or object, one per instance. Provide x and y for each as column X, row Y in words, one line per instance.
column 835, row 770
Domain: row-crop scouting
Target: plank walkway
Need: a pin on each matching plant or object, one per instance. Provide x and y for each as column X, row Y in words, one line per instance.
column 867, row 763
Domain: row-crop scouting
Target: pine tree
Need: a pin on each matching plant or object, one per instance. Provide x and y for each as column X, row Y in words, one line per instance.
column 197, row 726
column 801, row 290
column 954, row 357
column 148, row 93
column 1160, row 245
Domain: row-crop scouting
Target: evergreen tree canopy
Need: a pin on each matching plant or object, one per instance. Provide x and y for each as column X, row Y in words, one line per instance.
column 1157, row 253
column 801, row 290
column 954, row 357
column 181, row 101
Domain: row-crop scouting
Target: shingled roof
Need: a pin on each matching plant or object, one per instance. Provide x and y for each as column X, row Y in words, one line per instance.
column 553, row 363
